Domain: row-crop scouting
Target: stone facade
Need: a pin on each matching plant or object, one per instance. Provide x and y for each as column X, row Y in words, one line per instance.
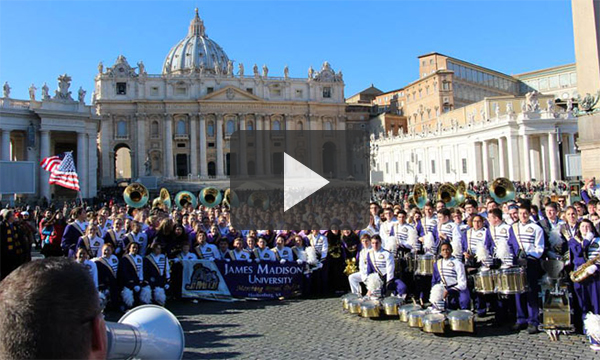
column 178, row 123
column 38, row 128
column 506, row 136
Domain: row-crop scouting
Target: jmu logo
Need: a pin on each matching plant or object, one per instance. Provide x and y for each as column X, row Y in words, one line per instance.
column 203, row 278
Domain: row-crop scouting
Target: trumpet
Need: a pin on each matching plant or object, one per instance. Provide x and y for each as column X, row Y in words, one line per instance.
column 136, row 195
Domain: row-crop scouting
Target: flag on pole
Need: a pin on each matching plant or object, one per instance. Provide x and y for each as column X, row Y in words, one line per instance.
column 62, row 170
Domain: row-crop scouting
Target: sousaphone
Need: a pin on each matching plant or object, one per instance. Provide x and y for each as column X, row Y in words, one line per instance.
column 185, row 198
column 136, row 195
column 419, row 196
column 230, row 198
column 210, row 197
column 447, row 194
column 502, row 190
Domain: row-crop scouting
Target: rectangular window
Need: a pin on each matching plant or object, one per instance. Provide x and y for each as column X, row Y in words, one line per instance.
column 433, row 166
column 299, row 93
column 180, row 91
column 387, row 168
column 250, row 90
column 407, row 167
column 121, row 88
column 397, row 168
column 447, row 166
column 154, row 91
column 327, row 92
column 464, row 166
column 420, row 167
column 209, row 90
column 276, row 92
column 211, row 144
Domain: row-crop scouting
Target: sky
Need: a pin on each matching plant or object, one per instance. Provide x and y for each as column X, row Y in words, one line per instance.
column 372, row 42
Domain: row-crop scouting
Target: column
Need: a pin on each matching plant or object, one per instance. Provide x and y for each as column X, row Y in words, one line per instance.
column 141, row 144
column 105, row 137
column 313, row 143
column 288, row 126
column 92, row 164
column 169, row 146
column 342, row 152
column 220, row 172
column 510, row 150
column 242, row 153
column 526, row 159
column 258, row 145
column 267, row 144
column 485, row 160
column 44, row 153
column 552, row 153
column 82, row 163
column 203, row 148
column 193, row 145
column 543, row 159
column 572, row 144
column 6, row 145
column 501, row 154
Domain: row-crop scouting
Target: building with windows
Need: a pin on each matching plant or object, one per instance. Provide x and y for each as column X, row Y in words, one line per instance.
column 38, row 128
column 178, row 123
column 559, row 81
column 519, row 137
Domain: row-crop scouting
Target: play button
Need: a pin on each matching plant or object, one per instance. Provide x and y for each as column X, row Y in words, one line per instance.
column 299, row 182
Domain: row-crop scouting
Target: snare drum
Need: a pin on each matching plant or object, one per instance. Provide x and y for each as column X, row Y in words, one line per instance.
column 425, row 264
column 404, row 310
column 484, row 282
column 462, row 320
column 346, row 299
column 411, row 263
column 434, row 323
column 511, row 281
column 370, row 309
column 391, row 305
column 354, row 305
column 415, row 318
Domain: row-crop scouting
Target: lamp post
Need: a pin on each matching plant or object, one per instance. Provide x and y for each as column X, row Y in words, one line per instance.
column 560, row 151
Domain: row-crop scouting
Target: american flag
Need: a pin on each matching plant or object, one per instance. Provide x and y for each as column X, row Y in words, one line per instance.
column 62, row 170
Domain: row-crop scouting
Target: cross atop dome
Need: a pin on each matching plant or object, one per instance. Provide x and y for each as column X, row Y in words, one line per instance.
column 197, row 26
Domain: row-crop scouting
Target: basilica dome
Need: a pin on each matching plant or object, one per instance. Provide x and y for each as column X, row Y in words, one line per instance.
column 196, row 53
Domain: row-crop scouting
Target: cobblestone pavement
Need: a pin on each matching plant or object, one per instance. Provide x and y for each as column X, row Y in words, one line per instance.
column 318, row 329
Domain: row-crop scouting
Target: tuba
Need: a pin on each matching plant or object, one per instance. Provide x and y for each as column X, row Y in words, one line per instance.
column 185, row 198
column 462, row 194
column 447, row 194
column 136, row 195
column 230, row 198
column 210, row 197
column 502, row 190
column 419, row 196
column 259, row 199
column 163, row 201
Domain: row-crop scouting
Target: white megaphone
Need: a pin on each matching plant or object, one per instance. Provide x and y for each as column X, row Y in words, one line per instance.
column 146, row 332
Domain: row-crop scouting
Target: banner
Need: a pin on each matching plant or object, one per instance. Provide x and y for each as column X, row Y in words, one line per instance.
column 222, row 280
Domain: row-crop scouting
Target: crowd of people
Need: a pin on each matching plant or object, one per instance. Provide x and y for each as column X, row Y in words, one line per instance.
column 135, row 254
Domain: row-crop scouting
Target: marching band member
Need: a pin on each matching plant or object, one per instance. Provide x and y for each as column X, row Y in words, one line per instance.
column 74, row 231
column 428, row 223
column 374, row 211
column 104, row 221
column 569, row 228
column 136, row 235
column 108, row 266
column 530, row 239
column 477, row 246
column 360, row 276
column 445, row 231
column 82, row 257
column 319, row 242
column 387, row 230
column 115, row 236
column 262, row 252
column 223, row 246
column 91, row 242
column 585, row 291
column 282, row 252
column 592, row 320
column 177, row 269
column 450, row 272
column 157, row 273
column 239, row 253
column 381, row 262
column 205, row 250
column 130, row 276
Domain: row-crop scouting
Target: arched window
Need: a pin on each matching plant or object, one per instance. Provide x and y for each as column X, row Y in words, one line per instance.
column 250, row 125
column 300, row 126
column 276, row 125
column 154, row 129
column 181, row 130
column 211, row 129
column 328, row 126
column 122, row 129
column 230, row 127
